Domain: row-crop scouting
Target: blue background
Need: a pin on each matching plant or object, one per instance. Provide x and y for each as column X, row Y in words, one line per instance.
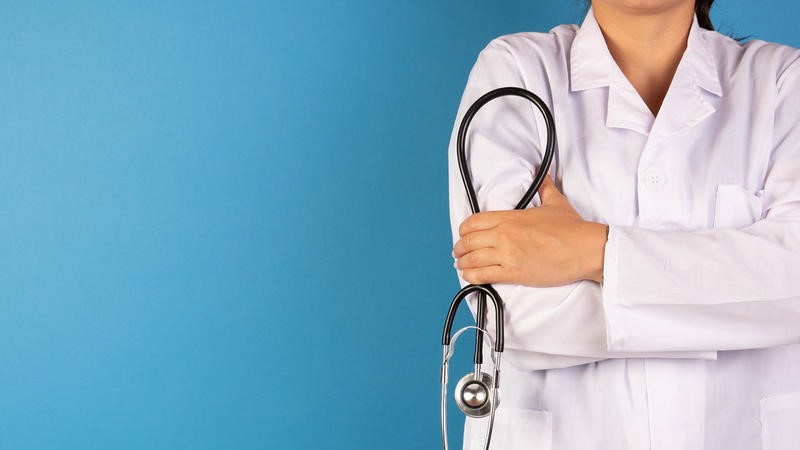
column 224, row 224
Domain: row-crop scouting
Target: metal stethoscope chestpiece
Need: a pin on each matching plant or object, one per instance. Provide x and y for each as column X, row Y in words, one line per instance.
column 472, row 396
column 477, row 393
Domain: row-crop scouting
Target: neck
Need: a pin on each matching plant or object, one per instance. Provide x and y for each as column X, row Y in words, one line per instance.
column 647, row 44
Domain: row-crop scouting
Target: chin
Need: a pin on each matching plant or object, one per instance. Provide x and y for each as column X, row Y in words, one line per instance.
column 645, row 6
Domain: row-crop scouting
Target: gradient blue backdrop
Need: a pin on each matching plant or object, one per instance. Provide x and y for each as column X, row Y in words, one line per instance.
column 223, row 225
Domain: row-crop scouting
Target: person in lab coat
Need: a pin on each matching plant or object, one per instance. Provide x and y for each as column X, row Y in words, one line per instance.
column 653, row 295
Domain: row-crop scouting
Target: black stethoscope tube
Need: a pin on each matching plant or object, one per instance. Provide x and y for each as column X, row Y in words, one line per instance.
column 486, row 289
column 462, row 137
column 483, row 290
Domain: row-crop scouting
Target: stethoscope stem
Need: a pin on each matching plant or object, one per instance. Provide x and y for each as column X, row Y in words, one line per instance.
column 481, row 322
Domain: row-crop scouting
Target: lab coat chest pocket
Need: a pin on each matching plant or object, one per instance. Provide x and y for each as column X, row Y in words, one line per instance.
column 735, row 207
column 514, row 429
column 780, row 422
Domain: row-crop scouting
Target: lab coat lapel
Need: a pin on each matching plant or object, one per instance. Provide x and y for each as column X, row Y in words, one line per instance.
column 592, row 66
column 693, row 88
column 687, row 101
column 626, row 109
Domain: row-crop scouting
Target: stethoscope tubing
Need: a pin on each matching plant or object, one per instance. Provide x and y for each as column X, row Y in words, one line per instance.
column 547, row 158
column 486, row 290
column 466, row 177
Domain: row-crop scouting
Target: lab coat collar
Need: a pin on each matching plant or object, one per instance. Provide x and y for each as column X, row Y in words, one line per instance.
column 592, row 66
column 699, row 56
column 591, row 63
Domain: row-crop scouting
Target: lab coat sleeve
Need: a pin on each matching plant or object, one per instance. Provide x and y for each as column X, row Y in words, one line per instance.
column 716, row 289
column 544, row 327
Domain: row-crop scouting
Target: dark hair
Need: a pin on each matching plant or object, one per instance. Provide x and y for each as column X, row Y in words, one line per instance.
column 702, row 9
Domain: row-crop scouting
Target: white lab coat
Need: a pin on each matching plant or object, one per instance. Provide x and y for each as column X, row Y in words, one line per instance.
column 693, row 340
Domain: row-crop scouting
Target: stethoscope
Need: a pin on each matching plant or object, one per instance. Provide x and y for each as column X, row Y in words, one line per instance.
column 476, row 393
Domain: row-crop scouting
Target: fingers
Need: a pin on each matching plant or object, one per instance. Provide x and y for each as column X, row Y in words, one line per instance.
column 481, row 221
column 548, row 193
column 474, row 241
column 485, row 265
column 479, row 258
column 487, row 275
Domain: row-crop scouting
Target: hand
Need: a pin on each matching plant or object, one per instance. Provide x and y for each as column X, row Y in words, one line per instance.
column 546, row 246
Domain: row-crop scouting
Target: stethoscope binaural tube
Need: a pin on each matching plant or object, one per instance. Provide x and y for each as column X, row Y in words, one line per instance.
column 486, row 405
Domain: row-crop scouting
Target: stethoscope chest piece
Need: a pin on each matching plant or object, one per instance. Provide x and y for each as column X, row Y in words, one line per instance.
column 474, row 397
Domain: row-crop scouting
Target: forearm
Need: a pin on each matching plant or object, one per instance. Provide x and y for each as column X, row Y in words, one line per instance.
column 715, row 289
column 556, row 327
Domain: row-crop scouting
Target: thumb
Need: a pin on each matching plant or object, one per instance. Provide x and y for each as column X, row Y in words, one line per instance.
column 548, row 192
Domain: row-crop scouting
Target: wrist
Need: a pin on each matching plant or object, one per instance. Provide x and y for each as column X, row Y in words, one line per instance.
column 596, row 239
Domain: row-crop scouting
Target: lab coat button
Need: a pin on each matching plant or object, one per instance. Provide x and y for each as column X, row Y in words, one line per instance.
column 655, row 179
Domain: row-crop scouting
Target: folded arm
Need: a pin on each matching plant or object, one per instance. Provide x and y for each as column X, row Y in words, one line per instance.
column 665, row 293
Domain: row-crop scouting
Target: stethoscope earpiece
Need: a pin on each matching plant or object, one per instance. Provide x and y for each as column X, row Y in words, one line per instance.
column 477, row 392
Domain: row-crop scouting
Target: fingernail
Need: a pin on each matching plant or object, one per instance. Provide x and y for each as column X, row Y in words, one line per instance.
column 455, row 264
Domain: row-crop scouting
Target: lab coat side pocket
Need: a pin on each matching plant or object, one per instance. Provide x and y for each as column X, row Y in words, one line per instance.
column 736, row 207
column 514, row 429
column 780, row 422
